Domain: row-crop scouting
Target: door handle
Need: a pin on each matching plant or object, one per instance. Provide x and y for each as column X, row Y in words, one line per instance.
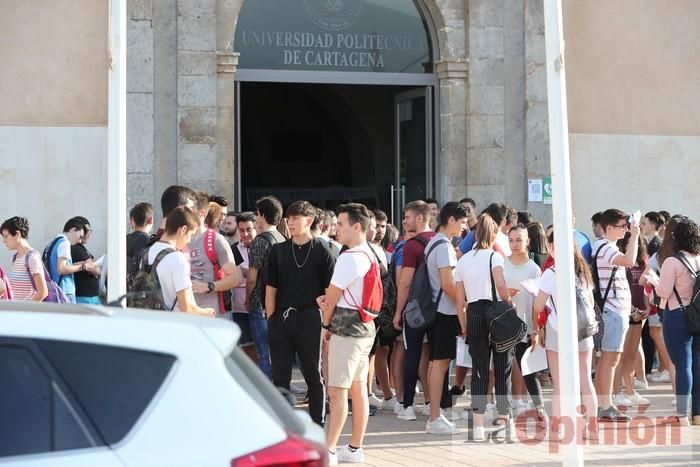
column 391, row 191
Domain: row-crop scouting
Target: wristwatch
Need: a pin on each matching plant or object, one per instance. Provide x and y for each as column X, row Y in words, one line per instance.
column 326, row 326
column 211, row 286
column 83, row 267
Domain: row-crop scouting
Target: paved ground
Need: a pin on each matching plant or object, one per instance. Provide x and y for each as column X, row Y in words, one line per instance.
column 645, row 441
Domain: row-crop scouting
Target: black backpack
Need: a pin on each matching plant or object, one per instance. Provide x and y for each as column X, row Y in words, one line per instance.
column 385, row 319
column 597, row 297
column 692, row 309
column 146, row 291
column 420, row 308
column 261, row 280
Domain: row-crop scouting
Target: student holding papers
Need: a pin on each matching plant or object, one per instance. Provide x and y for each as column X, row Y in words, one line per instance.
column 548, row 338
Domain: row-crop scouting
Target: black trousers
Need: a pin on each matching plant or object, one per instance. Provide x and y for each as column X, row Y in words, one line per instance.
column 480, row 350
column 534, row 388
column 648, row 347
column 413, row 343
column 298, row 332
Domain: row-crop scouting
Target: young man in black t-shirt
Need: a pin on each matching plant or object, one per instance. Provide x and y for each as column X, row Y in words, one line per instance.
column 87, row 281
column 299, row 270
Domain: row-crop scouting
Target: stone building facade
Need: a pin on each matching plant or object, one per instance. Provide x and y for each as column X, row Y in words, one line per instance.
column 634, row 104
column 492, row 97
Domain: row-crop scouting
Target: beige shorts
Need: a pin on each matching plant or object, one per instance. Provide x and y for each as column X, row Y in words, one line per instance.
column 348, row 360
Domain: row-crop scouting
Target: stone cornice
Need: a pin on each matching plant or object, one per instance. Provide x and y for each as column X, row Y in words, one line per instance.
column 226, row 62
column 452, row 68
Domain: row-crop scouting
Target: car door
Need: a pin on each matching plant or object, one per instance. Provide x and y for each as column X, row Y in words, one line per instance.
column 40, row 424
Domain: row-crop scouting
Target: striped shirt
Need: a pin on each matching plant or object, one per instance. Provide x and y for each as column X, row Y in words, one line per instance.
column 20, row 279
column 620, row 296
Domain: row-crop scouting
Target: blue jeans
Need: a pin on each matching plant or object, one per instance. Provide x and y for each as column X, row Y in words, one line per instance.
column 88, row 300
column 684, row 350
column 258, row 331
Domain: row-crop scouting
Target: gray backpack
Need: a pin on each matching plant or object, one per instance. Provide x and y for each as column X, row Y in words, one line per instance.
column 586, row 322
column 146, row 291
column 420, row 308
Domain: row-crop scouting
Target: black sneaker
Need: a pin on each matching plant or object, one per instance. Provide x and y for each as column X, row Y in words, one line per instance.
column 612, row 414
column 457, row 391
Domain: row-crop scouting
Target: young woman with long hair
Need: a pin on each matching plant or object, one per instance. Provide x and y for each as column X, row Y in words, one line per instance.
column 473, row 283
column 676, row 288
column 547, row 336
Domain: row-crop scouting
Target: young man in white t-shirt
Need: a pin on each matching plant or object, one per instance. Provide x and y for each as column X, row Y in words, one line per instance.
column 349, row 338
column 618, row 304
column 174, row 269
column 450, row 321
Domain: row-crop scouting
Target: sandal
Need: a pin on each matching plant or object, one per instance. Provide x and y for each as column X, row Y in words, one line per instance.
column 675, row 419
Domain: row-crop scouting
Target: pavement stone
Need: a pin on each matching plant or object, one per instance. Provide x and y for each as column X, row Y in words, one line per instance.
column 393, row 442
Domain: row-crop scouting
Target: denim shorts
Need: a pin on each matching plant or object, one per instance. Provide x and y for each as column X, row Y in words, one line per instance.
column 615, row 329
column 655, row 321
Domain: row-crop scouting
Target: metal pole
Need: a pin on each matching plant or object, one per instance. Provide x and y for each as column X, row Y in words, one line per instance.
column 569, row 383
column 116, row 153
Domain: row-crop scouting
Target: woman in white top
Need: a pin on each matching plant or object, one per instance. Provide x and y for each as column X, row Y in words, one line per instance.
column 473, row 283
column 519, row 267
column 549, row 338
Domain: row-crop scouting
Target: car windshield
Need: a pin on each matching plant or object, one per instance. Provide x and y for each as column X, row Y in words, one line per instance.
column 254, row 382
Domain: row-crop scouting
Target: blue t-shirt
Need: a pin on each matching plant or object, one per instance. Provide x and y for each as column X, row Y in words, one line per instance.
column 467, row 243
column 584, row 245
column 397, row 258
column 66, row 282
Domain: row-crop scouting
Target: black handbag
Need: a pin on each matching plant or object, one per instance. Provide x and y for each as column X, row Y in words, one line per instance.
column 506, row 328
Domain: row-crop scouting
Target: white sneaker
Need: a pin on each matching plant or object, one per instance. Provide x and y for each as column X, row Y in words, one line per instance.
column 375, row 401
column 408, row 413
column 297, row 388
column 353, row 457
column 636, row 399
column 398, row 408
column 390, row 404
column 333, row 458
column 425, row 410
column 623, row 400
column 522, row 407
column 662, row 377
column 441, row 426
column 479, row 433
column 639, row 384
column 673, row 402
column 450, row 414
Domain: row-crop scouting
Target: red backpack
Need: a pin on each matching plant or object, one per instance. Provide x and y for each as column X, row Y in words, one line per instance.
column 372, row 291
column 209, row 238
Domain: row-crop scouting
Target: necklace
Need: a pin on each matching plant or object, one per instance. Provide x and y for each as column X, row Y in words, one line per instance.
column 307, row 255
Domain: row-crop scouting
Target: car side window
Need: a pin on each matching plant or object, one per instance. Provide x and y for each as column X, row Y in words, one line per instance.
column 113, row 384
column 35, row 416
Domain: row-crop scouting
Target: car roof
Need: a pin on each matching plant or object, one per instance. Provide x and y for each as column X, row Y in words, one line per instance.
column 89, row 322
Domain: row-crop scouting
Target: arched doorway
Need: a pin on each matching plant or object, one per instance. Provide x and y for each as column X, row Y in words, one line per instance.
column 336, row 102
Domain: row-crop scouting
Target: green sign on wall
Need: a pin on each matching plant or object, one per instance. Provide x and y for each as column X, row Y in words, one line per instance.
column 547, row 190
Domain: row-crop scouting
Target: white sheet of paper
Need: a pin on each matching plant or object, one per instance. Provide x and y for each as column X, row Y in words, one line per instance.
column 532, row 286
column 463, row 358
column 533, row 361
column 652, row 278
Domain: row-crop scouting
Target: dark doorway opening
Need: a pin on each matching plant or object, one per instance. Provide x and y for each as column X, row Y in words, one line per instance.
column 325, row 143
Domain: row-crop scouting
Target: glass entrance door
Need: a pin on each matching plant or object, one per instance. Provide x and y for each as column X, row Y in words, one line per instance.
column 413, row 158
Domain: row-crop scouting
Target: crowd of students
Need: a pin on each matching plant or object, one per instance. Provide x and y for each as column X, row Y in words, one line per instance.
column 299, row 281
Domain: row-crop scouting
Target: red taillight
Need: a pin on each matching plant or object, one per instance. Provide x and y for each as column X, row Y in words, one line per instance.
column 292, row 452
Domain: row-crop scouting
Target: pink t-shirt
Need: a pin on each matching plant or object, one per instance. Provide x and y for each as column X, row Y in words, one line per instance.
column 22, row 287
column 674, row 273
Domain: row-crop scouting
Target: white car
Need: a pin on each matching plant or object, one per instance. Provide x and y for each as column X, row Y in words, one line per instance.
column 98, row 386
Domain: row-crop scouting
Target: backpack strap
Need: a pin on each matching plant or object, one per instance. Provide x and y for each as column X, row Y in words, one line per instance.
column 46, row 256
column 153, row 268
column 432, row 247
column 610, row 281
column 209, row 239
column 359, row 307
column 695, row 274
column 494, row 298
